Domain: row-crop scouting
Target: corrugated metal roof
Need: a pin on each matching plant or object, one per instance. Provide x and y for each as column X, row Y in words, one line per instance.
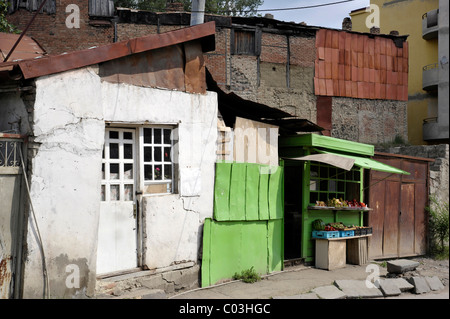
column 32, row 68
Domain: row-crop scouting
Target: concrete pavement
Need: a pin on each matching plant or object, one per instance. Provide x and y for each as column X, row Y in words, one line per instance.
column 303, row 282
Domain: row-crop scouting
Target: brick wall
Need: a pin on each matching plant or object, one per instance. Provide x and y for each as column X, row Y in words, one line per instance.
column 51, row 32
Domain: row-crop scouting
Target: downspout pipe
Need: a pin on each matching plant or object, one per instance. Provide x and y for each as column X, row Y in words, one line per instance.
column 197, row 12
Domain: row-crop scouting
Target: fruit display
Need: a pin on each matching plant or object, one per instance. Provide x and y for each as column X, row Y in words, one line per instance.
column 320, row 203
column 341, row 203
column 318, row 225
column 355, row 203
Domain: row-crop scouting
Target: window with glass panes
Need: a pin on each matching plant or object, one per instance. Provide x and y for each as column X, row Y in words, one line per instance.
column 118, row 165
column 328, row 182
column 157, row 162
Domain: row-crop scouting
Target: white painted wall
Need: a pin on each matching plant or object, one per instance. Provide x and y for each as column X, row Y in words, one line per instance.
column 70, row 113
column 173, row 222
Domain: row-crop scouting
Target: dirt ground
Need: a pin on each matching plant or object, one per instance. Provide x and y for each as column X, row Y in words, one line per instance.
column 431, row 267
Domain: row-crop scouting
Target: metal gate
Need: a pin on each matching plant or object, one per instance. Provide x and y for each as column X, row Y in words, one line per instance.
column 399, row 219
column 10, row 185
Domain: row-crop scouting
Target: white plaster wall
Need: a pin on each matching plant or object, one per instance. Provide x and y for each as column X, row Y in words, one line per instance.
column 65, row 182
column 173, row 222
column 70, row 112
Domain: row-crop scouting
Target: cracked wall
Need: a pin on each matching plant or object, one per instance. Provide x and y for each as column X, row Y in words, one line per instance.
column 68, row 121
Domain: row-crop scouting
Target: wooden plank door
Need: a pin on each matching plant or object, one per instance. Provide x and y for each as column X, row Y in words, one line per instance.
column 406, row 221
column 391, row 215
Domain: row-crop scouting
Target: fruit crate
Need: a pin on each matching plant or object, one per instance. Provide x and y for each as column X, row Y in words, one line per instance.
column 363, row 231
column 325, row 234
column 346, row 233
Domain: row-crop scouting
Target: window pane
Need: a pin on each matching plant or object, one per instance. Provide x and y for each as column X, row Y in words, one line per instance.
column 128, row 192
column 127, row 135
column 167, row 171
column 167, row 154
column 103, row 171
column 158, row 172
column 128, row 151
column 128, row 171
column 148, row 172
column 158, row 154
column 147, row 154
column 114, row 150
column 157, row 135
column 103, row 193
column 114, row 134
column 147, row 135
column 114, row 192
column 167, row 136
column 113, row 171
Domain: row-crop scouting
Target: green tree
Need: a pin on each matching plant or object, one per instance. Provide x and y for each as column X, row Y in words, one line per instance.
column 5, row 26
column 244, row 8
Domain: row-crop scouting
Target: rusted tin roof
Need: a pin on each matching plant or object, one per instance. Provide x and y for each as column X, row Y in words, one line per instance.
column 27, row 48
column 32, row 68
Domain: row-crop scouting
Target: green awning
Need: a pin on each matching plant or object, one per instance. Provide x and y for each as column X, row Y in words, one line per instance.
column 369, row 163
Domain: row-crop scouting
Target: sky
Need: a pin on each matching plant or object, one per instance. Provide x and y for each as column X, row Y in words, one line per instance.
column 326, row 16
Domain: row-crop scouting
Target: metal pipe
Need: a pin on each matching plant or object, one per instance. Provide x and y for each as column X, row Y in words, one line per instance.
column 197, row 12
column 24, row 31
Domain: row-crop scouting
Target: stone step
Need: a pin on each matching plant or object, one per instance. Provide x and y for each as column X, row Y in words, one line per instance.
column 357, row 289
column 401, row 266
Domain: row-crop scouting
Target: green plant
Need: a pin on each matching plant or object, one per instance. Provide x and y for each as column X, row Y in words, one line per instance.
column 5, row 26
column 248, row 276
column 438, row 224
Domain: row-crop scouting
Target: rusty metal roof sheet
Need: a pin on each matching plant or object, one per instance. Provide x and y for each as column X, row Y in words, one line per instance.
column 27, row 48
column 32, row 68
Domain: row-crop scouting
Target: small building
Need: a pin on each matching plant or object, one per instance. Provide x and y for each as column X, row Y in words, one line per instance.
column 118, row 147
column 318, row 169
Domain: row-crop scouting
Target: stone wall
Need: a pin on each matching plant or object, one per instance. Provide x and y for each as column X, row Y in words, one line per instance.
column 369, row 121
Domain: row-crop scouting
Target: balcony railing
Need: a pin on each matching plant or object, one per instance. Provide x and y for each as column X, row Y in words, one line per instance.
column 430, row 25
column 430, row 77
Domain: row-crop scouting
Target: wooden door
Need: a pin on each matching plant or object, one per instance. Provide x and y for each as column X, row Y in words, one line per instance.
column 398, row 218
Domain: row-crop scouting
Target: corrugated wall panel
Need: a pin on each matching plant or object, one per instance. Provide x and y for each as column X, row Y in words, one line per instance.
column 247, row 191
column 369, row 62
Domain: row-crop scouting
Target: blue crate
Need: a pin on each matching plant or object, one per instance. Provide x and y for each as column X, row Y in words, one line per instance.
column 325, row 234
column 346, row 233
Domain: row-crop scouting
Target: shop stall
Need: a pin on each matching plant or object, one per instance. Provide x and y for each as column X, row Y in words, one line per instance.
column 325, row 183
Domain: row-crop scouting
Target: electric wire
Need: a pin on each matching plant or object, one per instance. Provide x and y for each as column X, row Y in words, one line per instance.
column 265, row 10
column 44, row 263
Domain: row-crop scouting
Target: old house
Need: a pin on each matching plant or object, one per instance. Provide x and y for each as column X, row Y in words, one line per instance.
column 154, row 134
column 353, row 84
column 118, row 144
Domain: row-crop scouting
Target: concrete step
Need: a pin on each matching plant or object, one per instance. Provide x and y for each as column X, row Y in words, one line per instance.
column 401, row 266
column 357, row 289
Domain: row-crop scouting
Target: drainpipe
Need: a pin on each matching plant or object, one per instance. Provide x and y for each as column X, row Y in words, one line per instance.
column 197, row 12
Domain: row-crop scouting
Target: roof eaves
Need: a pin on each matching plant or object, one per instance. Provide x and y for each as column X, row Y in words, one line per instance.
column 32, row 68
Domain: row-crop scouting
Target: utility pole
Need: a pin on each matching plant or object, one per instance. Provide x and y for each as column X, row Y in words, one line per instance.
column 197, row 12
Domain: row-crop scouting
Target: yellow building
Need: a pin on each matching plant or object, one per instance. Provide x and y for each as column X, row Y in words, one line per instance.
column 426, row 23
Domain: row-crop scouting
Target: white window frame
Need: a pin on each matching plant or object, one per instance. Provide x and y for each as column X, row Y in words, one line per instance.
column 107, row 182
column 142, row 163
